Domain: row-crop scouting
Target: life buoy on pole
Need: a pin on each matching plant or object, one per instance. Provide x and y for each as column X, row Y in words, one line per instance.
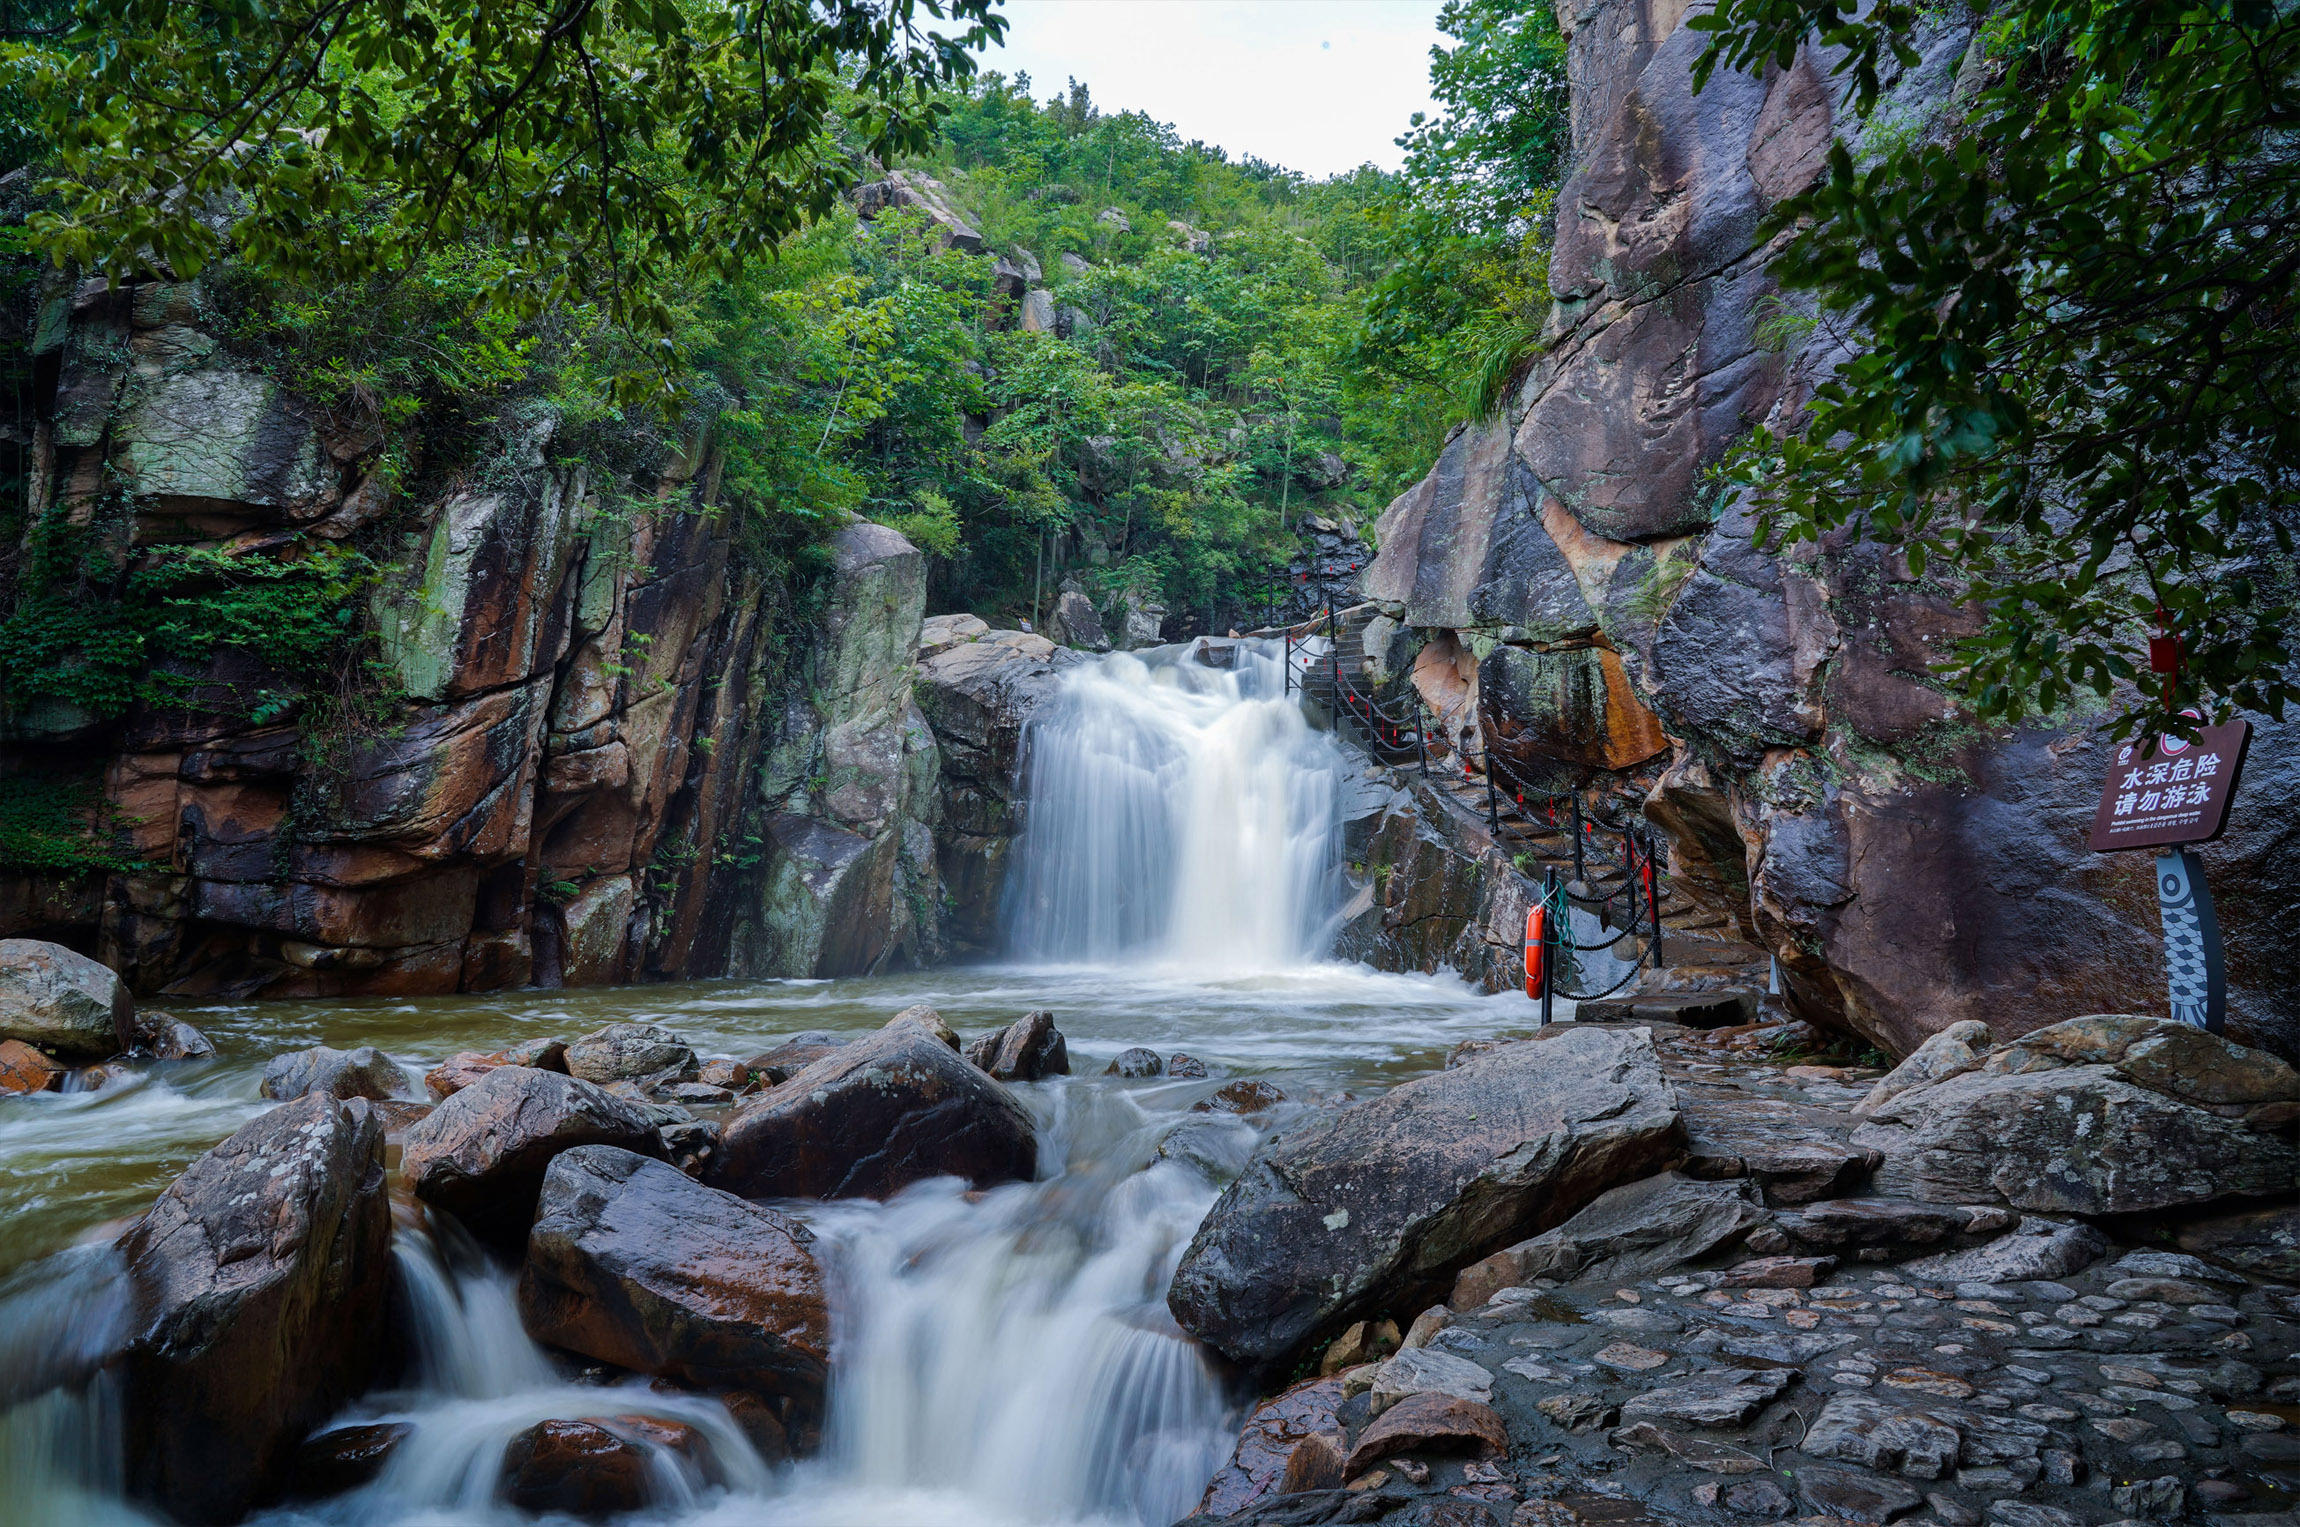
column 1536, row 948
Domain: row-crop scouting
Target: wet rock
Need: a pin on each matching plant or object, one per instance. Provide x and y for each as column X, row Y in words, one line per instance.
column 2037, row 1249
column 1257, row 1463
column 482, row 1153
column 623, row 1052
column 2262, row 1241
column 341, row 1460
column 263, row 1277
column 1215, row 1145
column 541, row 1054
column 1185, row 1067
column 1711, row 1399
column 792, row 1056
column 62, row 1002
column 1241, row 1097
column 1629, row 1232
column 873, row 1117
column 689, row 1146
column 1136, row 1063
column 1849, row 1496
column 1430, row 1423
column 2068, row 1139
column 575, row 1467
column 168, row 1037
column 1026, row 1050
column 460, row 1070
column 1316, row 1463
column 1379, row 1204
column 362, row 1073
column 633, row 1263
column 25, row 1069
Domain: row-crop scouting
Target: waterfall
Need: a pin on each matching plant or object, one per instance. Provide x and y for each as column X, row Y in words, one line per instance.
column 60, row 1450
column 1180, row 813
column 1009, row 1356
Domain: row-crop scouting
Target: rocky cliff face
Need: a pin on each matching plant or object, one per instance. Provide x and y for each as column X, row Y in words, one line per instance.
column 1777, row 714
column 588, row 753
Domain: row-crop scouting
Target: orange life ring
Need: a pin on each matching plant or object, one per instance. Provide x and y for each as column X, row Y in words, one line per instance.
column 1536, row 947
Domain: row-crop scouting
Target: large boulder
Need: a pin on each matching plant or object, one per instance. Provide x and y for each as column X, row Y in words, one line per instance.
column 1375, row 1207
column 362, row 1073
column 482, row 1153
column 2104, row 1115
column 62, row 1002
column 264, row 1275
column 632, row 1263
column 873, row 1117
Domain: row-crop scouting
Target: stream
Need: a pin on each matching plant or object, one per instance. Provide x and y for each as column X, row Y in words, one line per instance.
column 1003, row 1357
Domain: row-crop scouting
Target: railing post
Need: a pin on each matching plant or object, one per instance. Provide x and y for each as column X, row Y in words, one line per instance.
column 1549, row 939
column 1421, row 735
column 1653, row 901
column 1289, row 651
column 1578, row 872
column 1492, row 806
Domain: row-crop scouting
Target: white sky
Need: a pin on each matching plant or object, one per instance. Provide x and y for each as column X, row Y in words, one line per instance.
column 1320, row 86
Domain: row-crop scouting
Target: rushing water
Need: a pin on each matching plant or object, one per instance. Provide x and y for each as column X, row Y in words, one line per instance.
column 998, row 1358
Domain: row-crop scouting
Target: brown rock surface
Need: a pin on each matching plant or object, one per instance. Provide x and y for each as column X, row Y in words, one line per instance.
column 1026, row 1050
column 1430, row 1423
column 481, row 1155
column 873, row 1117
column 1257, row 1465
column 25, row 1069
column 362, row 1073
column 632, row 1263
column 578, row 1468
column 263, row 1276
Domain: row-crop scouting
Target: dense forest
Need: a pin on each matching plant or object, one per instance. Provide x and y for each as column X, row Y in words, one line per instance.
column 1235, row 347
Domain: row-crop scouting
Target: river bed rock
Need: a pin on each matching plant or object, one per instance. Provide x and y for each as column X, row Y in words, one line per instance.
column 62, row 1002
column 1029, row 1049
column 1375, row 1207
column 632, row 1263
column 575, row 1468
column 365, row 1072
column 623, row 1052
column 1629, row 1232
column 263, row 1276
column 26, row 1069
column 481, row 1155
column 874, row 1116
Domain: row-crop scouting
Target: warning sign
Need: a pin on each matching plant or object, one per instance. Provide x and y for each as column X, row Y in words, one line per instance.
column 2178, row 795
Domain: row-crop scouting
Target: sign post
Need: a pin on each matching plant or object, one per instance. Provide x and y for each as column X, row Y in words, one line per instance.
column 2168, row 801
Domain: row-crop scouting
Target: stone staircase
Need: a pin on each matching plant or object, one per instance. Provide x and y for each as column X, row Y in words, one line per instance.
column 1708, row 975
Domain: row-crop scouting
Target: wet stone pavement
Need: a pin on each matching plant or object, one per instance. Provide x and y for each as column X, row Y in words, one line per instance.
column 1848, row 1362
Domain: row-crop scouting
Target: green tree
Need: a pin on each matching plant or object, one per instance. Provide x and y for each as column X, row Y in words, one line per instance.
column 2074, row 387
column 616, row 145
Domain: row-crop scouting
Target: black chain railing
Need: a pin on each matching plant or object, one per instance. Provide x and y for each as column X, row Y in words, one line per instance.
column 1629, row 877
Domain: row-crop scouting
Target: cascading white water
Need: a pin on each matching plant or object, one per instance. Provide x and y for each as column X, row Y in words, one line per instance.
column 1179, row 812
